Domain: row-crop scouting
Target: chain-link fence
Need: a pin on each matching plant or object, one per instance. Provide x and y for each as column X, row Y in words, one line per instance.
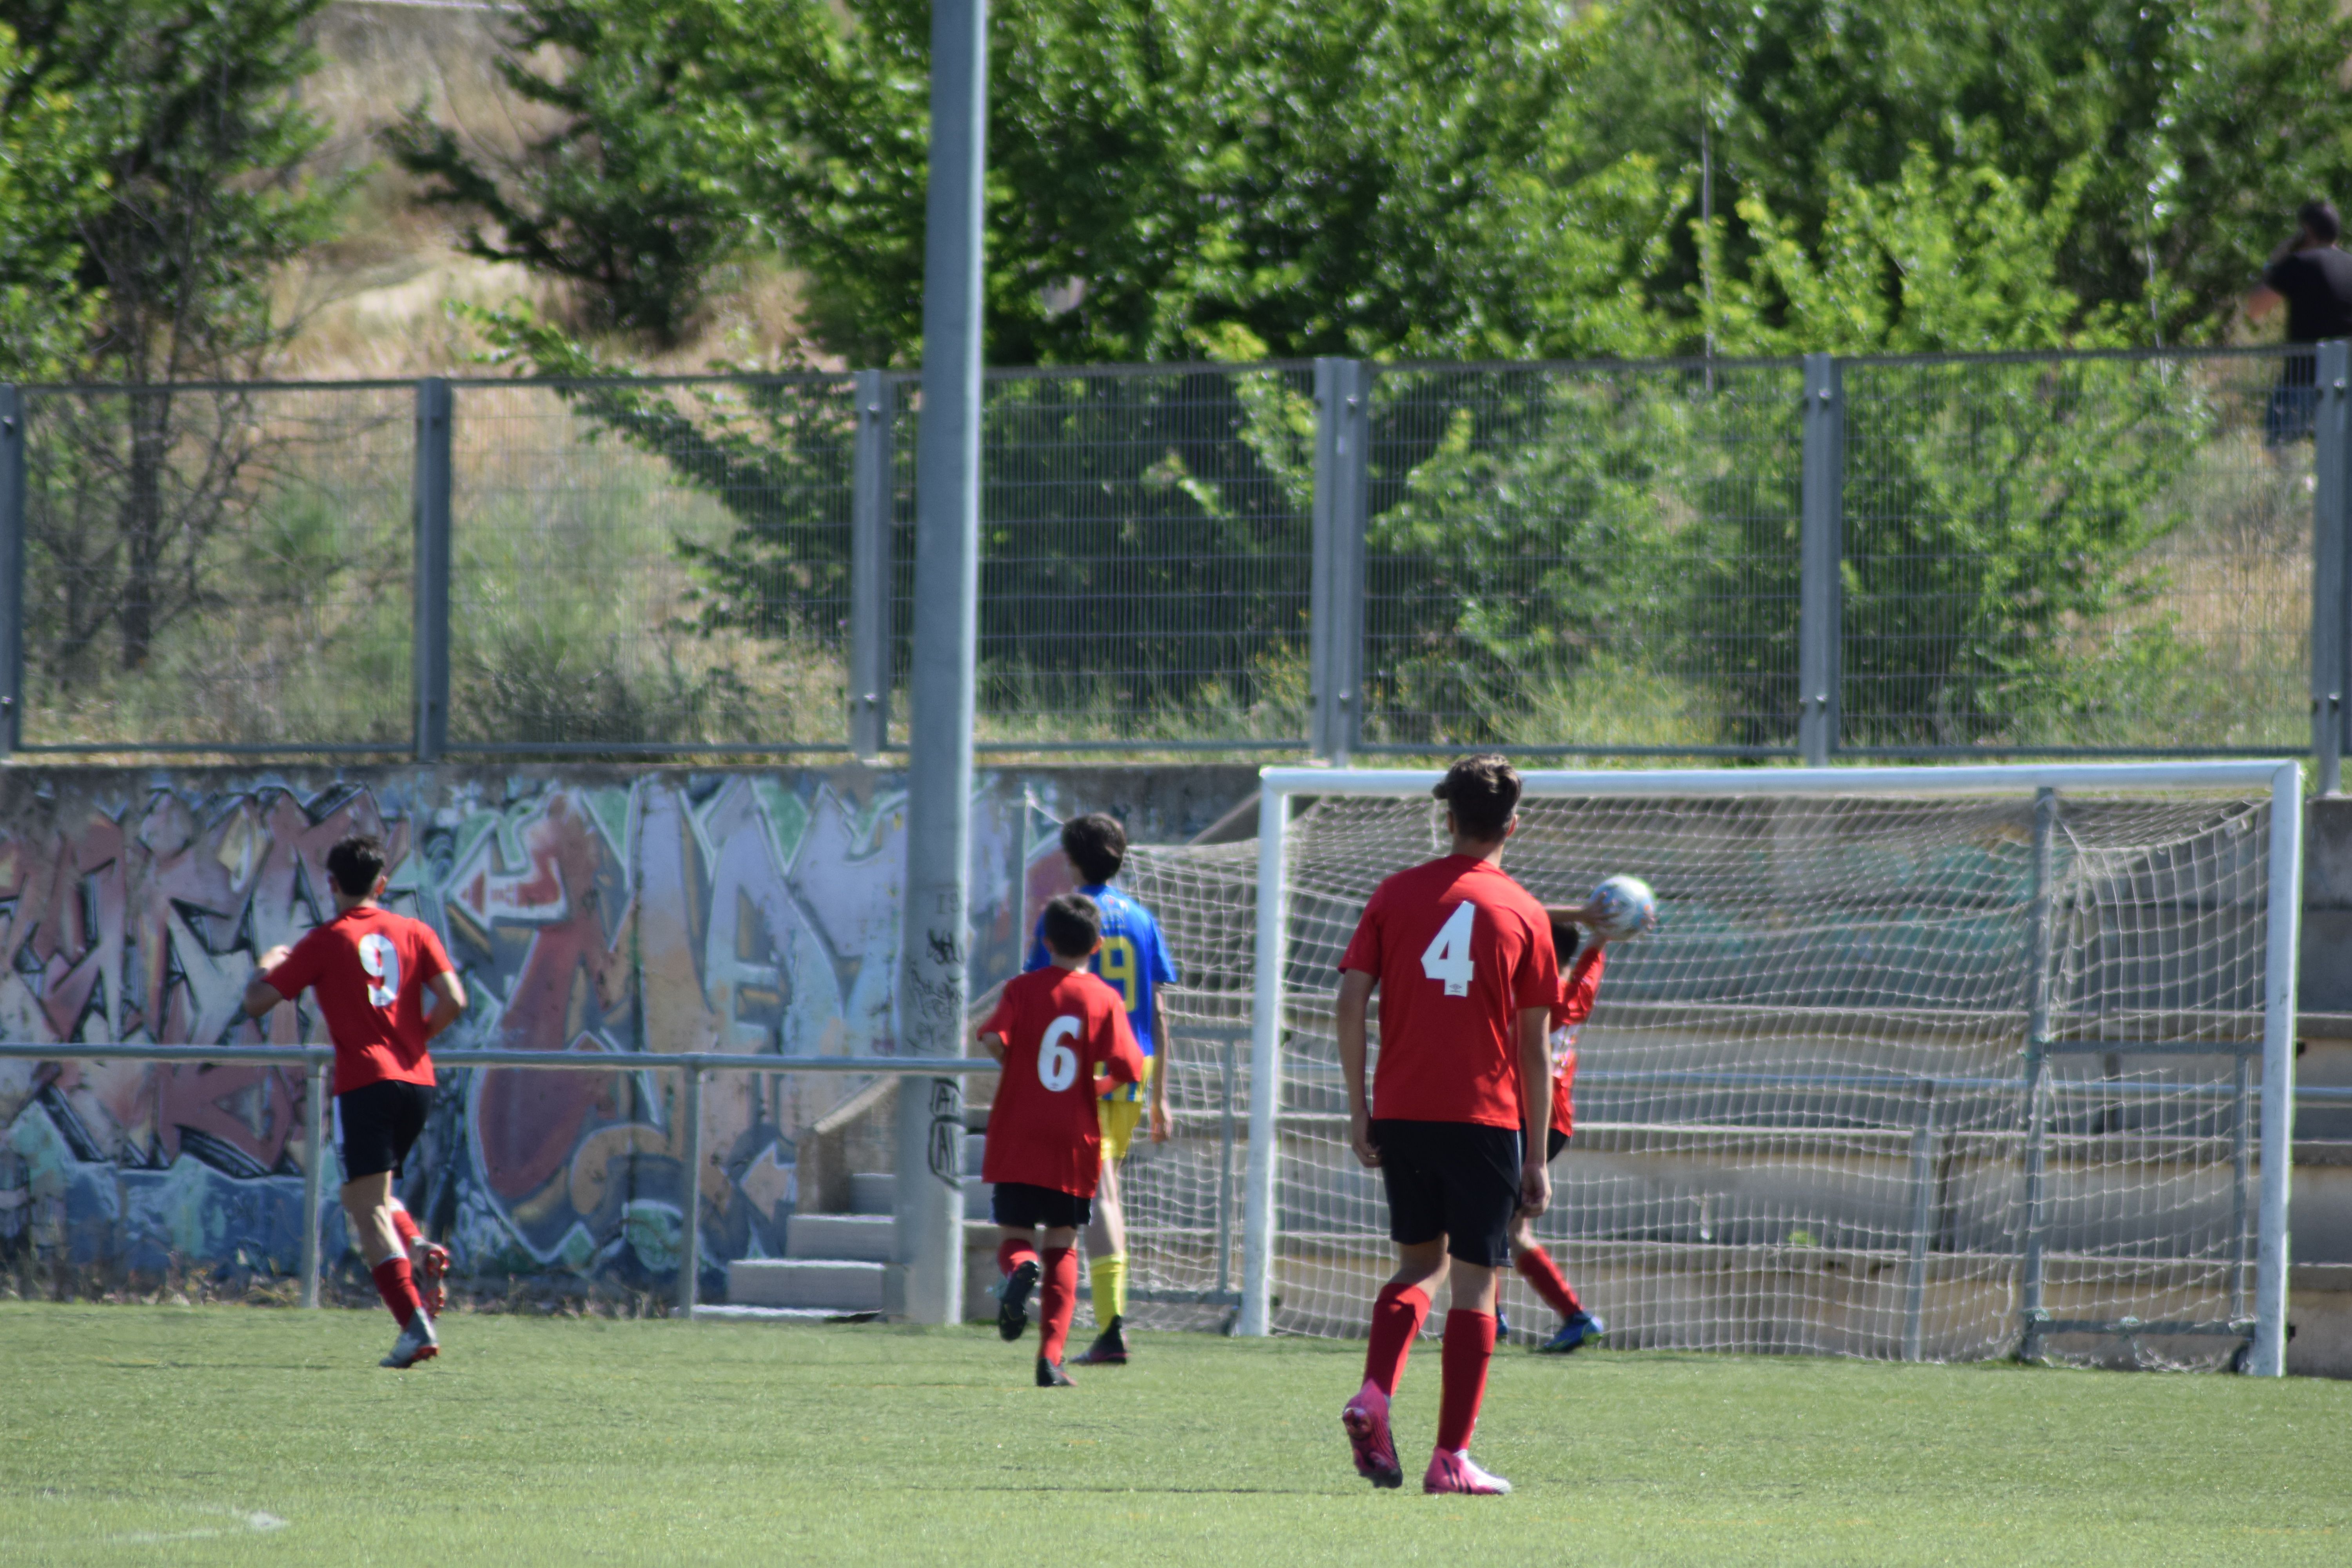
column 1990, row 554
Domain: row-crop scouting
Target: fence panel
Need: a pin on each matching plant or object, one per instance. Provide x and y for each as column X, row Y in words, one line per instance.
column 1601, row 558
column 217, row 568
column 1145, row 551
column 651, row 566
column 2103, row 554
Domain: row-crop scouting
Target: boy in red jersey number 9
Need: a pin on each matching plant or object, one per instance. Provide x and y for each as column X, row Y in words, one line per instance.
column 369, row 970
column 1051, row 1030
column 1462, row 958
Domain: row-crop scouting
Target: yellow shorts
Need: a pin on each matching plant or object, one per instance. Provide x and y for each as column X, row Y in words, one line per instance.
column 1121, row 1112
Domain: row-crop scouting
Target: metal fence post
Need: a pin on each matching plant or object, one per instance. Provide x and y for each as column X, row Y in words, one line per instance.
column 2266, row 1357
column 2038, row 938
column 871, row 510
column 2241, row 1170
column 1923, row 1195
column 2331, row 490
column 1335, row 619
column 1261, row 1204
column 12, row 567
column 314, row 1172
column 1821, row 550
column 689, row 1245
column 431, row 658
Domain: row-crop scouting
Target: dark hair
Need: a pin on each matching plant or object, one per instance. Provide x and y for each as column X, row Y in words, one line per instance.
column 356, row 863
column 1096, row 846
column 1566, row 937
column 1481, row 792
column 1073, row 925
column 2318, row 215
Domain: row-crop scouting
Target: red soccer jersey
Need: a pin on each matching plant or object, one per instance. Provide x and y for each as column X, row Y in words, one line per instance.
column 1568, row 1015
column 1459, row 950
column 1059, row 1026
column 368, row 967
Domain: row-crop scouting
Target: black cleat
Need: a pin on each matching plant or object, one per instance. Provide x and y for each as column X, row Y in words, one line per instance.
column 1051, row 1375
column 1013, row 1304
column 1109, row 1348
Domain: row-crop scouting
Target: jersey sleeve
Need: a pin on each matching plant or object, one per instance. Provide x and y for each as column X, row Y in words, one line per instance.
column 303, row 964
column 1537, row 983
column 1159, row 964
column 1363, row 952
column 1120, row 1056
column 1001, row 1021
column 432, row 958
column 1583, row 984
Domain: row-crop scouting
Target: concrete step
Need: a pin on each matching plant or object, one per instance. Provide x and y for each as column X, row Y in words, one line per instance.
column 835, row 1284
column 873, row 1192
column 865, row 1238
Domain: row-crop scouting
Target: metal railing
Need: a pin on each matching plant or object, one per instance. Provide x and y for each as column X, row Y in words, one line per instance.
column 1958, row 555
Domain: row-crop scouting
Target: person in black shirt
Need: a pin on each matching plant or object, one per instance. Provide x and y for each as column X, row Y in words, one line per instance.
column 2313, row 280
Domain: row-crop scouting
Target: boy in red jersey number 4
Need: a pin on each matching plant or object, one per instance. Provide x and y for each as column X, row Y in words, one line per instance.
column 369, row 970
column 1051, row 1030
column 1462, row 958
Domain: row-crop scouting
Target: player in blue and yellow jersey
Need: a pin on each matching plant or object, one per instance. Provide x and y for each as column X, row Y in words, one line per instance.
column 1133, row 959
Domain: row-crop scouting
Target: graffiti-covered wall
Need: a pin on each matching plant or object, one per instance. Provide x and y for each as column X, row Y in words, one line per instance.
column 589, row 911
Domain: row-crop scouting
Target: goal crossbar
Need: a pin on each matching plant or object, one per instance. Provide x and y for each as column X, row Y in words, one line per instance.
column 2281, row 780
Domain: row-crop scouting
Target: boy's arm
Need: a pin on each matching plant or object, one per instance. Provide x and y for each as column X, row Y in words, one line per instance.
column 260, row 995
column 1161, row 1045
column 1535, row 1108
column 448, row 1001
column 1355, row 1046
column 1122, row 1059
column 994, row 1044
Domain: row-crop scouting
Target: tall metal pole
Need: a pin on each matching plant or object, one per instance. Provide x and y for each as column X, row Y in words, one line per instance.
column 2268, row 1358
column 314, row 1169
column 869, row 567
column 2038, row 941
column 1336, row 585
column 689, row 1197
column 12, row 567
column 1259, row 1211
column 2331, row 494
column 1820, row 549
column 430, row 658
column 934, row 938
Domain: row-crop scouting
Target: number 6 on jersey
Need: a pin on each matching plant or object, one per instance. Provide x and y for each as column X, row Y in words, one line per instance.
column 1447, row 957
column 1057, row 1065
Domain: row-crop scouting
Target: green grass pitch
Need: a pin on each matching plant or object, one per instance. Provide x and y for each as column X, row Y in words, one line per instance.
column 228, row 1433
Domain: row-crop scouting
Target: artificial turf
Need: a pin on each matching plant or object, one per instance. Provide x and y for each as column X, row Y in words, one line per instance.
column 235, row 1434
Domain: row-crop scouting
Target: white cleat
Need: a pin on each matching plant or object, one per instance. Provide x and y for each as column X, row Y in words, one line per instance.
column 416, row 1342
column 1453, row 1472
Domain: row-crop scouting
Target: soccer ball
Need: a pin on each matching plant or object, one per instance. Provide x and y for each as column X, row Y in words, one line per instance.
column 1624, row 907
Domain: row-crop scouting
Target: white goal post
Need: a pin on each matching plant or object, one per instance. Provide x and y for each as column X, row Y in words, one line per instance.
column 1989, row 944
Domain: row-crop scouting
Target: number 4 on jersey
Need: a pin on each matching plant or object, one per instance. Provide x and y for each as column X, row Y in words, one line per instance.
column 1447, row 957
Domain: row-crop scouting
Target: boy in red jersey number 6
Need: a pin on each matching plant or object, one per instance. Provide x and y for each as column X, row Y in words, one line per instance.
column 1051, row 1030
column 1462, row 958
column 370, row 969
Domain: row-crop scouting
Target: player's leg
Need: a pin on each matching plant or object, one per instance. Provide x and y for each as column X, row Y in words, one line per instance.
column 1059, row 1303
column 1537, row 1268
column 1417, row 1225
column 1106, row 1239
column 1014, row 1205
column 428, row 1262
column 381, row 1123
column 1481, row 1180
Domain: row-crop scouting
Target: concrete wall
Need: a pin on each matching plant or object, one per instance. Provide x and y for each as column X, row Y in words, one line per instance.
column 589, row 910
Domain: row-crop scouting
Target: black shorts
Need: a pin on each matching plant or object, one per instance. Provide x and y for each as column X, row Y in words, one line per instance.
column 1452, row 1179
column 379, row 1123
column 1022, row 1206
column 1554, row 1142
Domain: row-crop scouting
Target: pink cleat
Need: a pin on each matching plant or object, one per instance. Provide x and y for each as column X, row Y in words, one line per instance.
column 1453, row 1472
column 431, row 1261
column 1366, row 1419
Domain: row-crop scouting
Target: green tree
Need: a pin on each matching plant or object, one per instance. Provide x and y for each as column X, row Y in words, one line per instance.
column 190, row 115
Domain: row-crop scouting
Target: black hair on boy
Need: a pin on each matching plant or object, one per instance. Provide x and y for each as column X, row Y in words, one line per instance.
column 1096, row 846
column 1073, row 925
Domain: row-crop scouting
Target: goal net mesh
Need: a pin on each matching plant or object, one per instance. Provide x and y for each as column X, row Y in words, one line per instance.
column 1809, row 1115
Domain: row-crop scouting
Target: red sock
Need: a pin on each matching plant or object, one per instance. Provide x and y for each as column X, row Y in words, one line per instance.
column 1535, row 1267
column 1397, row 1312
column 394, row 1283
column 1060, row 1303
column 403, row 1226
column 1469, row 1344
column 1011, row 1255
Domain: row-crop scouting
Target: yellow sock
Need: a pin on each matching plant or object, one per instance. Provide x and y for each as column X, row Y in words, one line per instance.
column 1110, row 1287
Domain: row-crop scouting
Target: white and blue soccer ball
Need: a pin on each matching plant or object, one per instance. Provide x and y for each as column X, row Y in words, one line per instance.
column 1624, row 906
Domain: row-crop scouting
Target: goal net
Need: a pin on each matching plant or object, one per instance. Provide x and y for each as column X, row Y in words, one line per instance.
column 1921, row 1063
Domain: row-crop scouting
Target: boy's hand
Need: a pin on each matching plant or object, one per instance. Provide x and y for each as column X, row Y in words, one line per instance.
column 1160, row 1121
column 1535, row 1187
column 1360, row 1139
column 274, row 957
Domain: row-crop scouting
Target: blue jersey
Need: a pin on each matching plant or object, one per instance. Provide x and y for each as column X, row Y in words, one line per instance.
column 1134, row 958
